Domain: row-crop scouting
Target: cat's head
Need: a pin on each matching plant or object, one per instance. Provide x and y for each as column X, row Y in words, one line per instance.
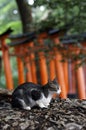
column 53, row 86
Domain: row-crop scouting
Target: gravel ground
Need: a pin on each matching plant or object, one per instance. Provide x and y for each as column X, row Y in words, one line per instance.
column 62, row 114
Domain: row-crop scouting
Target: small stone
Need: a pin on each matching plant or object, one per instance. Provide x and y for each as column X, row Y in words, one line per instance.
column 50, row 128
column 7, row 118
column 15, row 124
column 73, row 126
column 46, row 116
column 24, row 125
column 5, row 127
column 31, row 117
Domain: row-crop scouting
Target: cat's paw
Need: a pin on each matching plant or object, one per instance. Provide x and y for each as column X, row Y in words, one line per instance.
column 47, row 104
column 27, row 108
column 41, row 105
column 44, row 106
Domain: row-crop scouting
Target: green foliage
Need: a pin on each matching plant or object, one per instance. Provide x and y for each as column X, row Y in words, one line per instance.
column 63, row 12
column 58, row 13
column 16, row 26
column 9, row 16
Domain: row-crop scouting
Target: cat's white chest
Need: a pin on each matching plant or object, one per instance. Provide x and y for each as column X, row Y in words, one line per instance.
column 44, row 102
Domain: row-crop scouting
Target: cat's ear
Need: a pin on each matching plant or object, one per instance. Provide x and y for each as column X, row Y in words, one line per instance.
column 55, row 79
column 49, row 81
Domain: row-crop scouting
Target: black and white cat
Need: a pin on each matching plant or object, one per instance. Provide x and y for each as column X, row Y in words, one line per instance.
column 28, row 95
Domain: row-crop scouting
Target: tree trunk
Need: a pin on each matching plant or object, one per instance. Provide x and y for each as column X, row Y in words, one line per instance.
column 25, row 15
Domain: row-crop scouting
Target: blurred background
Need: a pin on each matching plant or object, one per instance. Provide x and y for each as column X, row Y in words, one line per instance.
column 31, row 15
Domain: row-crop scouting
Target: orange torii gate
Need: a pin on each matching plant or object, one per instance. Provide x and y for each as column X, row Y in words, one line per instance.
column 84, row 44
column 6, row 60
column 79, row 73
column 67, row 43
column 61, row 68
column 22, row 44
column 80, row 77
column 54, row 64
column 42, row 60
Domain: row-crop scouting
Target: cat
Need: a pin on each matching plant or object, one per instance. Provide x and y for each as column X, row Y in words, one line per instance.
column 28, row 94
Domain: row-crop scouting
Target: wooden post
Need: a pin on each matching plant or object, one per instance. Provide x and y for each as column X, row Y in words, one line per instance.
column 20, row 66
column 81, row 82
column 52, row 72
column 59, row 70
column 7, row 67
column 22, row 43
column 20, row 71
column 65, row 70
column 32, row 63
column 42, row 64
column 84, row 67
column 25, row 63
column 72, row 83
column 28, row 69
column 19, row 50
column 74, row 93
